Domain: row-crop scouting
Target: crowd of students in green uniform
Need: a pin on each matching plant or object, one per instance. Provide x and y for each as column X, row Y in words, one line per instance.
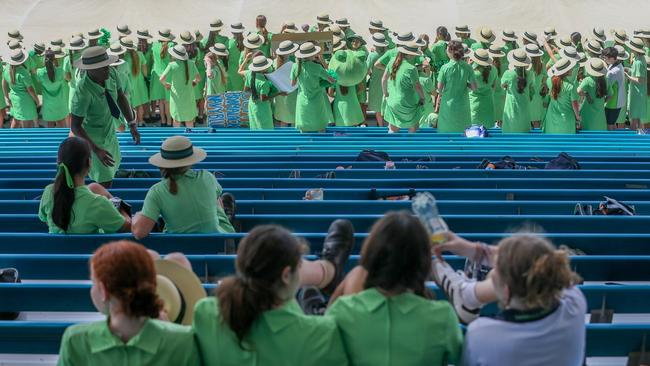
column 516, row 82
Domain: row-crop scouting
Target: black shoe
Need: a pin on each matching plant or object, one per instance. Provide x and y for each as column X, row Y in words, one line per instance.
column 229, row 207
column 311, row 301
column 336, row 249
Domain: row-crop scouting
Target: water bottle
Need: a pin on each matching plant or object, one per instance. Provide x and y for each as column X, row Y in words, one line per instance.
column 425, row 208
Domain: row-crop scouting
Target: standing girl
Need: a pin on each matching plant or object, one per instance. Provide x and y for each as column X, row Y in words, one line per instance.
column 538, row 76
column 55, row 103
column 454, row 80
column 518, row 85
column 184, row 76
column 428, row 82
column 19, row 94
column 235, row 48
column 76, row 46
column 375, row 94
column 124, row 76
column 439, row 48
column 195, row 56
column 501, row 66
column 284, row 109
column 346, row 107
column 484, row 39
column 145, row 49
column 157, row 92
column 216, row 63
column 3, row 102
column 616, row 80
column 481, row 100
column 252, row 44
column 637, row 76
column 262, row 92
column 137, row 69
column 563, row 112
column 214, row 37
column 596, row 92
column 260, row 25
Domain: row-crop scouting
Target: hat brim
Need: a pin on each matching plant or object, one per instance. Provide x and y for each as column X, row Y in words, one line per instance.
column 266, row 66
column 217, row 52
column 381, row 29
column 463, row 31
column 323, row 22
column 118, row 62
column 553, row 71
column 17, row 63
column 237, row 31
column 187, row 283
column 94, row 37
column 593, row 72
column 119, row 53
column 636, row 49
column 198, row 155
column 480, row 62
column 512, row 61
column 409, row 52
column 169, row 38
column 81, row 66
column 480, row 38
column 59, row 55
column 539, row 53
column 78, row 48
column 142, row 36
column 496, row 54
column 379, row 44
column 509, row 39
column 177, row 56
column 624, row 57
column 253, row 46
column 127, row 33
column 529, row 39
column 315, row 52
column 288, row 52
column 216, row 29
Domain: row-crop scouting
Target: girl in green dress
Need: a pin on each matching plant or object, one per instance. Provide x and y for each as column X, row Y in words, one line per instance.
column 284, row 110
column 235, row 49
column 137, row 67
column 375, row 94
column 439, row 49
column 123, row 72
column 260, row 25
column 19, row 94
column 481, row 100
column 596, row 92
column 3, row 103
column 252, row 44
column 428, row 82
column 518, row 85
column 144, row 47
column 402, row 90
column 157, row 92
column 312, row 109
column 195, row 56
column 55, row 104
column 183, row 77
column 75, row 48
column 463, row 33
column 262, row 91
column 563, row 112
column 501, row 65
column 357, row 44
column 346, row 107
column 455, row 79
column 538, row 74
column 484, row 39
column 216, row 63
column 214, row 36
column 637, row 76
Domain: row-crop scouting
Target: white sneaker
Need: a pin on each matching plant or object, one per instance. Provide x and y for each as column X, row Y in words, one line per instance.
column 452, row 283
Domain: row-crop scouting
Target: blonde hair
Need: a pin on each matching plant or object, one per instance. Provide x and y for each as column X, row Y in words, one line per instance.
column 534, row 270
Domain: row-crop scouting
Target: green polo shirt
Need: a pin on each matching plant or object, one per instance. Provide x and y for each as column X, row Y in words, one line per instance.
column 91, row 213
column 405, row 330
column 282, row 336
column 158, row 343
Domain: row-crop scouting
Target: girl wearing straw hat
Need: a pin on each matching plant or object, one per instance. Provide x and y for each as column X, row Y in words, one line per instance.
column 481, row 100
column 144, row 47
column 616, row 79
column 214, row 36
column 540, row 91
column 322, row 21
column 137, row 71
column 18, row 89
column 252, row 44
column 123, row 73
column 161, row 58
column 93, row 37
column 183, row 76
column 123, row 30
column 75, row 48
column 216, row 63
column 402, row 90
column 188, row 200
column 377, row 26
column 55, row 101
column 235, row 50
column 500, row 63
column 439, row 49
column 260, row 113
column 463, row 32
column 454, row 80
column 36, row 61
column 401, row 39
column 195, row 56
column 313, row 111
column 375, row 94
column 427, row 79
column 563, row 113
column 596, row 92
column 484, row 39
column 637, row 76
column 284, row 110
column 260, row 26
column 3, row 103
column 519, row 86
column 346, row 107
column 124, row 288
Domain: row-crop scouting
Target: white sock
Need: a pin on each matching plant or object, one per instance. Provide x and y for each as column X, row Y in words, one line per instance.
column 468, row 293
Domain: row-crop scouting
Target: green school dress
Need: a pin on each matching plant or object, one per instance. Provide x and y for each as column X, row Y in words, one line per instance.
column 266, row 47
column 559, row 115
column 157, row 343
column 362, row 87
column 592, row 114
column 499, row 93
column 481, row 100
column 215, row 85
column 3, row 103
column 193, row 209
column 284, row 107
column 347, row 110
column 199, row 88
column 55, row 100
column 402, row 109
column 260, row 114
column 406, row 329
column 516, row 112
column 537, row 109
column 139, row 93
column 235, row 81
column 23, row 107
column 638, row 93
column 313, row 110
column 440, row 58
column 469, row 42
column 217, row 39
column 428, row 87
column 388, row 56
column 72, row 72
column 375, row 94
column 90, row 103
column 454, row 113
column 476, row 45
column 123, row 72
column 36, row 62
column 281, row 336
column 182, row 105
column 157, row 90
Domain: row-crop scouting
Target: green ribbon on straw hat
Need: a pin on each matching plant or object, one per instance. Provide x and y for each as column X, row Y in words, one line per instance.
column 63, row 169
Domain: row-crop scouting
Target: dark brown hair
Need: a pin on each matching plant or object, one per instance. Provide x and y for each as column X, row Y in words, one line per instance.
column 601, row 87
column 396, row 64
column 164, row 49
column 171, row 174
column 456, row 49
column 556, row 82
column 442, row 34
column 50, row 60
column 74, row 152
column 521, row 79
column 135, row 62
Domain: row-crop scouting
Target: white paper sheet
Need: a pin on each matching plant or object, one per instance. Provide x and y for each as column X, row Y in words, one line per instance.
column 281, row 78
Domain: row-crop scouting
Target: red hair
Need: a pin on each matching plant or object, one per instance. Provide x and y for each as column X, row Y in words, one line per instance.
column 127, row 272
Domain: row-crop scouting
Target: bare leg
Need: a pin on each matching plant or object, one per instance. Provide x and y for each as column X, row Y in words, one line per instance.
column 121, row 128
column 176, row 123
column 139, row 114
column 316, row 273
column 536, row 124
column 392, row 128
column 414, row 129
column 189, row 124
column 167, row 113
column 634, row 124
column 200, row 104
column 380, row 119
column 163, row 116
column 15, row 123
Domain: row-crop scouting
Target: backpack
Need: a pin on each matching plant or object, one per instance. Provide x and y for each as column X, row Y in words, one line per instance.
column 476, row 131
column 506, row 162
column 609, row 207
column 9, row 275
column 372, row 155
column 563, row 161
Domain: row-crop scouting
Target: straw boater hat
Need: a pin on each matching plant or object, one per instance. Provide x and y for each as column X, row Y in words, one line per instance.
column 94, row 58
column 643, row 33
column 177, row 152
column 636, row 44
column 376, row 24
column 379, row 40
column 404, row 38
column 596, row 67
column 39, row 47
column 179, row 289
column 323, row 19
column 336, row 31
column 622, row 53
column 179, row 52
column 128, row 43
column 410, row 48
column 253, row 41
column 550, row 33
column 496, row 51
column 237, row 28
column 57, row 42
column 338, row 44
column 116, row 49
column 58, row 52
column 509, row 36
column 14, row 45
column 77, row 44
column 486, row 35
column 566, row 41
column 343, row 22
column 594, row 47
column 533, row 50
column 599, row 34
column 530, row 36
column 187, row 38
column 216, row 25
column 570, row 52
column 421, row 42
column 307, row 49
column 287, row 48
column 290, row 27
column 219, row 49
column 15, row 34
column 260, row 63
column 143, row 34
column 165, row 35
column 198, row 35
column 519, row 58
column 620, row 36
column 561, row 67
column 481, row 57
column 463, row 29
column 94, row 34
column 123, row 30
column 17, row 57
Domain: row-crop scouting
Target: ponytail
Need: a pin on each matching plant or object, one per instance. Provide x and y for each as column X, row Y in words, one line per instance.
column 170, row 174
column 187, row 72
column 12, row 74
column 521, row 79
column 49, row 65
column 164, row 49
column 135, row 63
column 254, row 93
column 537, row 65
column 71, row 58
column 601, row 87
column 396, row 65
column 556, row 82
column 485, row 73
column 73, row 159
column 299, row 68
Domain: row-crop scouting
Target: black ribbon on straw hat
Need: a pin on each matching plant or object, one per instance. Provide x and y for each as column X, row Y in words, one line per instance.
column 377, row 24
column 177, row 154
